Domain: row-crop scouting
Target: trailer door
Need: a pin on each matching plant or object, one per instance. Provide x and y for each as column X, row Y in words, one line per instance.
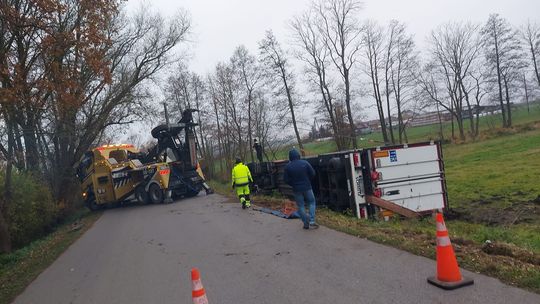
column 410, row 176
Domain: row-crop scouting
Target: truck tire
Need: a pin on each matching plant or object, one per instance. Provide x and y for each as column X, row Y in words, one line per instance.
column 156, row 194
column 92, row 204
column 141, row 195
column 192, row 193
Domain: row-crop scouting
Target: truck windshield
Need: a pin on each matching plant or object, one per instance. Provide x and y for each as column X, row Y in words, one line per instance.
column 85, row 163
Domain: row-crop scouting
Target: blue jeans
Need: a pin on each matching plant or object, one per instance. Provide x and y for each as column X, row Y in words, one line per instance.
column 302, row 198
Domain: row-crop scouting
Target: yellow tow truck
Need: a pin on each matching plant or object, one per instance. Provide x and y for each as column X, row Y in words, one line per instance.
column 112, row 174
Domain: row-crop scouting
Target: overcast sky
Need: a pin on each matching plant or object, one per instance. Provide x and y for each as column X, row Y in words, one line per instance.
column 221, row 25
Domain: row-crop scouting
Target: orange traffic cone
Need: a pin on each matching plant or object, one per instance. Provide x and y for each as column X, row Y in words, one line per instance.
column 198, row 293
column 448, row 274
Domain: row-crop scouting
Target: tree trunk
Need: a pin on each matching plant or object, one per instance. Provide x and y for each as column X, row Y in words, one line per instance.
column 291, row 108
column 349, row 110
column 471, row 118
column 390, row 122
column 452, row 116
column 31, row 151
column 508, row 109
column 441, row 133
column 461, row 128
column 250, row 136
column 477, row 131
column 380, row 108
column 219, row 137
column 19, row 160
column 526, row 93
column 401, row 126
column 5, row 237
column 535, row 64
column 327, row 99
column 499, row 82
column 387, row 93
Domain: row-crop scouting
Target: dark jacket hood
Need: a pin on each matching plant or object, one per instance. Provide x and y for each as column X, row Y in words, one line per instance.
column 294, row 155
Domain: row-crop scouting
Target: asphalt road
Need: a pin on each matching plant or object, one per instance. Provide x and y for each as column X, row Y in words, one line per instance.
column 144, row 255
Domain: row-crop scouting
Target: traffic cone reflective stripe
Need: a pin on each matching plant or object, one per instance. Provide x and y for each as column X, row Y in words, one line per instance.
column 441, row 226
column 198, row 293
column 197, row 288
column 448, row 274
column 443, row 241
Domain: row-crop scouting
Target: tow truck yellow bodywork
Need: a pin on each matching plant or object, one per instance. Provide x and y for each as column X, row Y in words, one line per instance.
column 113, row 174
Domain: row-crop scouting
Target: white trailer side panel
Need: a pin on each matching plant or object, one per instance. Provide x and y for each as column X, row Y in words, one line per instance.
column 411, row 176
column 421, row 195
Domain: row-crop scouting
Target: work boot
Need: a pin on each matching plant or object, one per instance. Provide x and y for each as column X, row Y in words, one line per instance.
column 248, row 204
column 243, row 201
column 313, row 225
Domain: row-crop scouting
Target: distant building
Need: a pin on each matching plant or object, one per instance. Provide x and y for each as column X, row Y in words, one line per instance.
column 363, row 128
column 430, row 118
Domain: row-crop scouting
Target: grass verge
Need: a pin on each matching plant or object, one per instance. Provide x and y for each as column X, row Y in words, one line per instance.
column 511, row 264
column 20, row 268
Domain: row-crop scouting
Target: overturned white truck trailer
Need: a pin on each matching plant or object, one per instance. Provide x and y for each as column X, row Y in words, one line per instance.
column 411, row 177
column 405, row 179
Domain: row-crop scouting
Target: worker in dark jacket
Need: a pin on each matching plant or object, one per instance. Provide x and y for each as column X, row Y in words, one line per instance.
column 298, row 174
column 259, row 150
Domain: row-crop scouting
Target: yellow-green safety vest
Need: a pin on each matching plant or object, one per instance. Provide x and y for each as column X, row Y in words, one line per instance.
column 241, row 175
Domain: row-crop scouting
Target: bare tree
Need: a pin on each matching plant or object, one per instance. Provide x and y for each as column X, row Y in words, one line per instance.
column 503, row 54
column 403, row 62
column 373, row 40
column 454, row 50
column 275, row 60
column 214, row 97
column 429, row 92
column 479, row 89
column 316, row 57
column 390, row 46
column 178, row 90
column 249, row 73
column 531, row 36
column 341, row 36
column 186, row 90
column 227, row 86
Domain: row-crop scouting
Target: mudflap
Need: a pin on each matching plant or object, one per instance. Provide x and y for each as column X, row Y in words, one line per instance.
column 207, row 188
column 168, row 197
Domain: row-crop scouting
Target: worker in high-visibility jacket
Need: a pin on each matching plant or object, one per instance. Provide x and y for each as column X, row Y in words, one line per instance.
column 241, row 178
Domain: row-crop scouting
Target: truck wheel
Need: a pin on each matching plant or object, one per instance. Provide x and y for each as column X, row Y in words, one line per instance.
column 141, row 195
column 156, row 194
column 92, row 204
column 192, row 193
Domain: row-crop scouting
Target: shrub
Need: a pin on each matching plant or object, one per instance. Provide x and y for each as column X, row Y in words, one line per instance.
column 32, row 213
